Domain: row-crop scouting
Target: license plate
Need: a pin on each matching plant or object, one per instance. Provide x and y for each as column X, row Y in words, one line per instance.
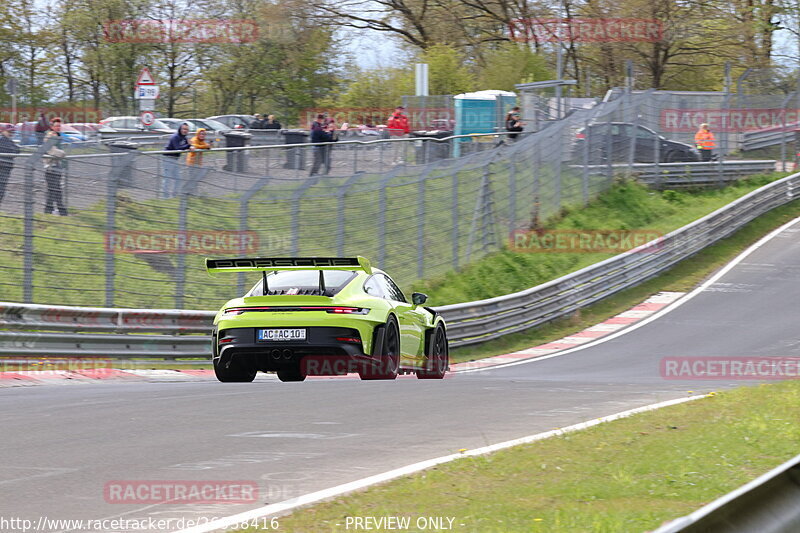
column 281, row 335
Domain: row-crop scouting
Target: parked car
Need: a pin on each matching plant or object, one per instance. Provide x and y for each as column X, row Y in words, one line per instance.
column 132, row 125
column 214, row 128
column 612, row 141
column 234, row 122
column 25, row 133
column 89, row 129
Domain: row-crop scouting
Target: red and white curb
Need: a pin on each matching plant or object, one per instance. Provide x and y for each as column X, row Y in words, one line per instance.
column 640, row 312
column 101, row 375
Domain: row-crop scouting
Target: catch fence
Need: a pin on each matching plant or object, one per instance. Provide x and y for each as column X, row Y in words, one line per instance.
column 407, row 204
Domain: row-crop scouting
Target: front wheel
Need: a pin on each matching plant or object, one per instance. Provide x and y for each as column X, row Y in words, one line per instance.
column 438, row 356
column 234, row 371
column 388, row 353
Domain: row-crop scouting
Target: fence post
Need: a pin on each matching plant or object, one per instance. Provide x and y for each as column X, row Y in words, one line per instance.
column 723, row 149
column 585, row 173
column 512, row 196
column 421, row 226
column 454, row 215
column 296, row 198
column 27, row 246
column 243, row 215
column 125, row 161
column 194, row 176
column 341, row 193
column 559, row 157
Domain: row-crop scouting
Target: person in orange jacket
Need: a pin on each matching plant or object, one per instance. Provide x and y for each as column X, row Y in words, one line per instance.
column 398, row 122
column 705, row 142
column 198, row 142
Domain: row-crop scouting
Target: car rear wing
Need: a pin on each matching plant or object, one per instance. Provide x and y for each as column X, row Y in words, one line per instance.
column 269, row 264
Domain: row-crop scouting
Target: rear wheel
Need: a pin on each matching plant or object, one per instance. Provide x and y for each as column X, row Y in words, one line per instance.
column 438, row 356
column 672, row 157
column 388, row 354
column 291, row 374
column 234, row 371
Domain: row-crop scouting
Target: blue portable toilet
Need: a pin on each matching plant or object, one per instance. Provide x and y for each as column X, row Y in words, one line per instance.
column 481, row 112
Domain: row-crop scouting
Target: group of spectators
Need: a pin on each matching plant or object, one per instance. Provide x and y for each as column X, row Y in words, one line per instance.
column 261, row 123
column 178, row 143
column 48, row 131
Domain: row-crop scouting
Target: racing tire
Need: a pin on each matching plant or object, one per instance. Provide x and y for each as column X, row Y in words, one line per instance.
column 233, row 371
column 291, row 374
column 388, row 353
column 438, row 356
column 672, row 157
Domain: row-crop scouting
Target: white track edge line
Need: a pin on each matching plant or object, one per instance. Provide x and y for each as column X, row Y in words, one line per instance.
column 658, row 314
column 339, row 490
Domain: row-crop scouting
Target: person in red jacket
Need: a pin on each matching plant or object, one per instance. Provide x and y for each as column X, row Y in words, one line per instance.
column 398, row 122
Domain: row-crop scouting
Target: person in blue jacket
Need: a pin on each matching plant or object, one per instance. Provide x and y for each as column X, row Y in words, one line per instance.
column 171, row 183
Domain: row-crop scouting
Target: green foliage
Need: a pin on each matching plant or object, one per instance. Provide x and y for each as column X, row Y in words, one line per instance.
column 509, row 64
column 447, row 72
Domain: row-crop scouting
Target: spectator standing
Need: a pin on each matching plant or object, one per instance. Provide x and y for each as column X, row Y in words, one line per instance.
column 513, row 123
column 258, row 123
column 198, row 142
column 171, row 181
column 322, row 131
column 705, row 142
column 7, row 146
column 42, row 128
column 54, row 170
column 398, row 122
column 271, row 123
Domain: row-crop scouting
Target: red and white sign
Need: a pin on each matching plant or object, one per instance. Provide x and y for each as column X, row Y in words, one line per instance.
column 145, row 78
column 727, row 120
column 147, row 118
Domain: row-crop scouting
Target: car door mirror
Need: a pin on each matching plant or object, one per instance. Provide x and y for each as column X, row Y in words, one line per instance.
column 418, row 298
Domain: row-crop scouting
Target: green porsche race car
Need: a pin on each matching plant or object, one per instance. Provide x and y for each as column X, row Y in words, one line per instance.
column 324, row 316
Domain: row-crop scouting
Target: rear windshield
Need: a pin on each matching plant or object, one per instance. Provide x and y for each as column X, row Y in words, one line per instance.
column 303, row 282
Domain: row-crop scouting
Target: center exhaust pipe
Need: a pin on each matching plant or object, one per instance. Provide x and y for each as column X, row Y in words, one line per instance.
column 287, row 354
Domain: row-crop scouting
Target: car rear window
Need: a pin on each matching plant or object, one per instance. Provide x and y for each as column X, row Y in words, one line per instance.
column 303, row 282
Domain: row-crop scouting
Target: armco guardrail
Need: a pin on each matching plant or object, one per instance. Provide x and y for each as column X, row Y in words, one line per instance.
column 86, row 331
column 753, row 140
column 769, row 504
column 694, row 174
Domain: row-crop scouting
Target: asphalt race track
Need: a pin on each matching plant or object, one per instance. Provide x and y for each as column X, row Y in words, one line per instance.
column 62, row 444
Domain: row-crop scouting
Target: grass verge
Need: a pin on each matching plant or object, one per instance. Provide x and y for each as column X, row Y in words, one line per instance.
column 667, row 463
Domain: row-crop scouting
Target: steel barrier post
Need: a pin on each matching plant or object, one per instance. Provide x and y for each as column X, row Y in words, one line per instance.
column 27, row 246
column 195, row 175
column 243, row 225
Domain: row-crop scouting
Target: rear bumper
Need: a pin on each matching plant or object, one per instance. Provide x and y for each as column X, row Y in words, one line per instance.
column 322, row 352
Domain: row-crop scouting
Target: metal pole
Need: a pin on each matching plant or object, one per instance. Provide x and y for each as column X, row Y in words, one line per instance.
column 111, row 223
column 585, row 184
column 243, row 224
column 455, row 217
column 341, row 193
column 421, row 227
column 195, row 175
column 27, row 246
column 512, row 196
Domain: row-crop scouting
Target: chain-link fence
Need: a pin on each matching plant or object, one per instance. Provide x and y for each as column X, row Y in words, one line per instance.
column 139, row 223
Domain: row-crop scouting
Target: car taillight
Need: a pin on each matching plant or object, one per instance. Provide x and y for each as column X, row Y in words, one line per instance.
column 347, row 310
column 233, row 312
column 580, row 136
column 348, row 339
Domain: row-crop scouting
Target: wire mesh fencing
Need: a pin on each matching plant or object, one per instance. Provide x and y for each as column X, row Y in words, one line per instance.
column 138, row 223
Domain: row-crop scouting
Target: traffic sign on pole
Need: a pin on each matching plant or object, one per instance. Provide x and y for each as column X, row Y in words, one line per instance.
column 146, row 92
column 147, row 118
column 145, row 78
